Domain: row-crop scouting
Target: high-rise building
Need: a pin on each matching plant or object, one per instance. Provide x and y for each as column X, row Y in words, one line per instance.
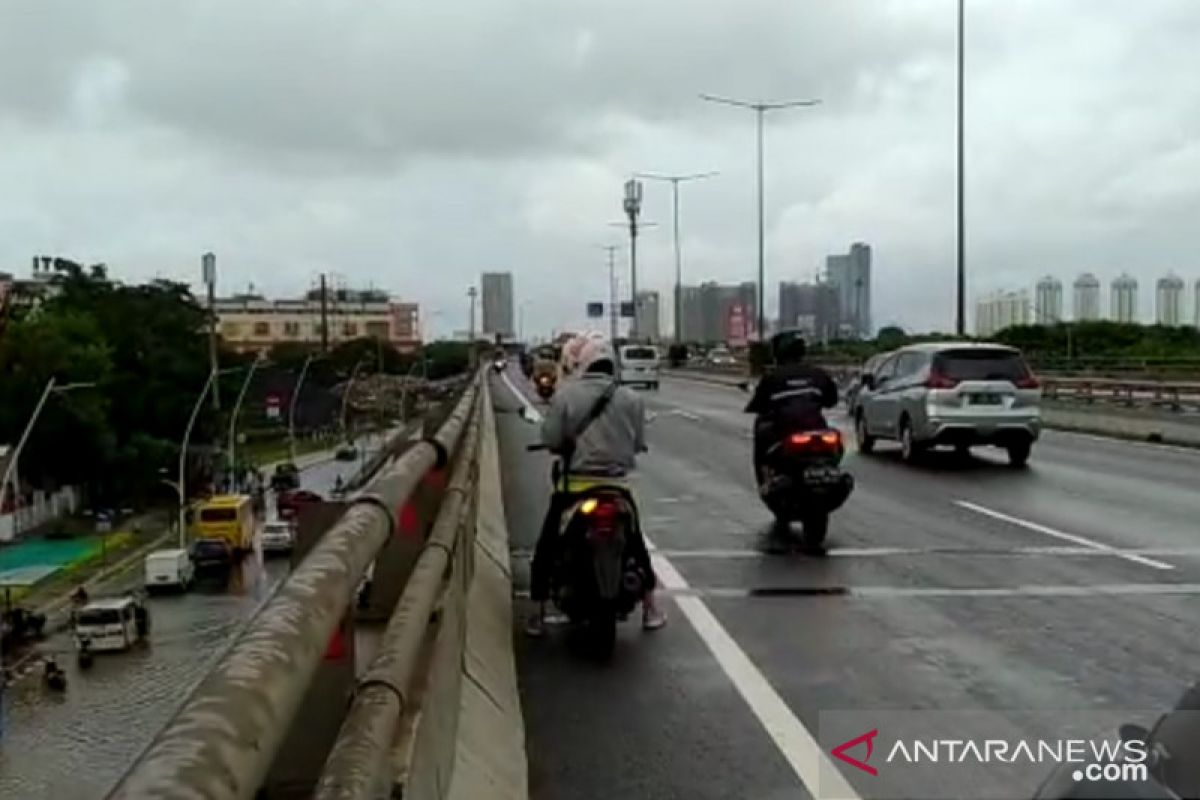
column 1124, row 298
column 1048, row 301
column 814, row 308
column 648, row 322
column 1000, row 310
column 711, row 311
column 1087, row 298
column 1168, row 300
column 1196, row 302
column 851, row 273
column 497, row 289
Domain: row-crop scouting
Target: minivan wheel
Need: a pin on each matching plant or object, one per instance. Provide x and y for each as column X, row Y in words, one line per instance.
column 909, row 451
column 866, row 442
column 1018, row 453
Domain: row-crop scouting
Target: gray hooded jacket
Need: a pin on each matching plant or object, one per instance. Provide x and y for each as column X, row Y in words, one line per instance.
column 611, row 443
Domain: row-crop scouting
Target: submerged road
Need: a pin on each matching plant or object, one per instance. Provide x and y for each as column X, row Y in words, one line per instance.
column 964, row 599
column 74, row 746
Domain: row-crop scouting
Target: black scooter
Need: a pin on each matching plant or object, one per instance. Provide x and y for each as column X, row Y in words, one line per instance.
column 802, row 481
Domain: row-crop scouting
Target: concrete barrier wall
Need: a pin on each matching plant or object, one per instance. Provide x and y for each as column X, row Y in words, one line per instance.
column 470, row 738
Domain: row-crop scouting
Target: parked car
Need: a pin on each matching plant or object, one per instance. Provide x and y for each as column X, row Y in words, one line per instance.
column 640, row 365
column 346, row 452
column 168, row 569
column 278, row 536
column 285, row 477
column 212, row 554
column 953, row 393
column 110, row 624
column 288, row 503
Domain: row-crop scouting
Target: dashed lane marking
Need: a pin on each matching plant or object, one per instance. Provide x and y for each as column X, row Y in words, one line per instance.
column 1066, row 537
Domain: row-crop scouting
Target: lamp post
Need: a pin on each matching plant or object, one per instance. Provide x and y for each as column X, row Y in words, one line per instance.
column 346, row 394
column 10, row 467
column 187, row 437
column 760, row 110
column 675, row 180
column 292, row 406
column 233, row 417
column 960, row 319
column 633, row 209
column 208, row 268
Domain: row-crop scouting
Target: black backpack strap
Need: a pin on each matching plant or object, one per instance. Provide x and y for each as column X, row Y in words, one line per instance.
column 593, row 414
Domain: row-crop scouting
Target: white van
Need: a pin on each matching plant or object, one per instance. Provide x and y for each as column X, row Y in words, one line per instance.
column 115, row 623
column 169, row 569
column 639, row 364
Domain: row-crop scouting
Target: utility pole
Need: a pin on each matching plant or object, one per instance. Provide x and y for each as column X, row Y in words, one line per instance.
column 760, row 110
column 633, row 208
column 675, row 180
column 960, row 319
column 208, row 265
column 471, row 293
column 613, row 303
column 324, row 316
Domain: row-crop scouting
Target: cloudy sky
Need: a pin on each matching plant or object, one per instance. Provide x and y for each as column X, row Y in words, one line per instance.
column 413, row 145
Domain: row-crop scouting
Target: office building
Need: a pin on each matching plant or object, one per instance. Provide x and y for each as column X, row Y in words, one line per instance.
column 1087, row 298
column 715, row 313
column 1124, row 299
column 498, row 316
column 251, row 322
column 1048, row 301
column 1000, row 310
column 851, row 274
column 811, row 307
column 648, row 322
column 1196, row 302
column 1168, row 301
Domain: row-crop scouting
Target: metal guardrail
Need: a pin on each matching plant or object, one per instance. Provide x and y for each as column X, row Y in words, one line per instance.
column 221, row 743
column 359, row 766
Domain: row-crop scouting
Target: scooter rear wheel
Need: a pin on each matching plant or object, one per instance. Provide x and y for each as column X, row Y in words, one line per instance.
column 815, row 529
column 602, row 633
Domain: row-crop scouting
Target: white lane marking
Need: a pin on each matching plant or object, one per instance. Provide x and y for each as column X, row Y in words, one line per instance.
column 797, row 745
column 533, row 413
column 1066, row 537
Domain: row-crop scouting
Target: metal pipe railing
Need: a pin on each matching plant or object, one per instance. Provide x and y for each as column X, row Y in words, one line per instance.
column 358, row 765
column 221, row 743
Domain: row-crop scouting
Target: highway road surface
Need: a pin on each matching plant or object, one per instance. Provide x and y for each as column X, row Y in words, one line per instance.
column 957, row 598
column 74, row 746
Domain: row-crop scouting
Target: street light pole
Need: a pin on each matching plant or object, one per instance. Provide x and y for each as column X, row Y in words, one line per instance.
column 960, row 320
column 675, row 180
column 233, row 416
column 292, row 407
column 10, row 467
column 633, row 208
column 760, row 110
column 187, row 436
column 612, row 291
column 346, row 394
column 208, row 265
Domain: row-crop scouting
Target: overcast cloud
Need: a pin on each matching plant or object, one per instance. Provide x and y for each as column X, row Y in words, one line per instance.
column 412, row 146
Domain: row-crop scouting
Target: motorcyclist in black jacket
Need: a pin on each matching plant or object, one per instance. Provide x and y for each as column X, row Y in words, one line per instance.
column 790, row 397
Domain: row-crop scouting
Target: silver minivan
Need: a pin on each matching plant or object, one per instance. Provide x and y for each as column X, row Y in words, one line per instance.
column 640, row 365
column 951, row 393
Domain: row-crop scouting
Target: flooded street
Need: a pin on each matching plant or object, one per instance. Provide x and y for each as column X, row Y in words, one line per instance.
column 74, row 745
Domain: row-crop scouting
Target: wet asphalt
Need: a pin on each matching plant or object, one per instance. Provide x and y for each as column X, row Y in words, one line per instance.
column 1064, row 595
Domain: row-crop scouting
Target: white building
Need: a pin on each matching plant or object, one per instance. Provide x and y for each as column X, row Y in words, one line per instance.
column 1087, row 298
column 1000, row 310
column 1168, row 301
column 1124, row 298
column 1048, row 304
column 648, row 321
column 1196, row 305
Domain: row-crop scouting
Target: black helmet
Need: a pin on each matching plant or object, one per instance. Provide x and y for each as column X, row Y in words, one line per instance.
column 788, row 347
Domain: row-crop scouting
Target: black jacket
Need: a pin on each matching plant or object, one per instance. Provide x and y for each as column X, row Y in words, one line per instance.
column 794, row 393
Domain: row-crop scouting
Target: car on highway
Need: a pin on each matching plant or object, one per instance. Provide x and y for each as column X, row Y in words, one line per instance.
column 286, row 476
column 855, row 386
column 212, row 555
column 289, row 503
column 110, row 624
column 639, row 365
column 346, row 452
column 950, row 394
column 278, row 536
column 720, row 357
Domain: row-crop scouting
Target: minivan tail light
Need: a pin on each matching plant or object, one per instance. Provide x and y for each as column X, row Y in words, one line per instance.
column 939, row 380
column 1027, row 382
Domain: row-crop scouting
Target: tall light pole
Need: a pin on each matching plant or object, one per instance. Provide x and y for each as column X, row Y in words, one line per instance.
column 346, row 394
column 10, row 467
column 208, row 268
column 960, row 319
column 521, row 319
column 292, row 407
column 675, row 180
column 187, row 437
column 233, row 416
column 760, row 110
column 612, row 291
column 640, row 226
column 633, row 209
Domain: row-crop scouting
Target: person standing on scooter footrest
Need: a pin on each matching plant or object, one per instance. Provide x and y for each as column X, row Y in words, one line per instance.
column 597, row 428
column 792, row 396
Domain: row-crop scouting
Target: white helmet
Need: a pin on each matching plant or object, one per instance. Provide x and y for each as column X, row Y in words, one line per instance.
column 575, row 350
column 594, row 350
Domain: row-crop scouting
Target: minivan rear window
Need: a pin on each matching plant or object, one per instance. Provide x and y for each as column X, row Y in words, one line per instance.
column 640, row 353
column 981, row 365
column 218, row 514
column 99, row 616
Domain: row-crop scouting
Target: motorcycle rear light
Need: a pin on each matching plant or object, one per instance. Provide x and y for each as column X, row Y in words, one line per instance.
column 801, row 439
column 602, row 515
column 816, row 440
